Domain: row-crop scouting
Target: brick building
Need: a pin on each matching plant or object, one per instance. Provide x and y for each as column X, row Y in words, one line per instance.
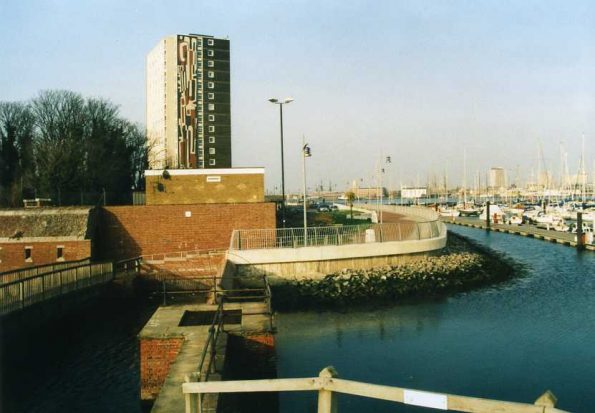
column 36, row 236
column 204, row 186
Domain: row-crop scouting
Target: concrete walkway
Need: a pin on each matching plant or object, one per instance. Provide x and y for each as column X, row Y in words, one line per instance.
column 165, row 324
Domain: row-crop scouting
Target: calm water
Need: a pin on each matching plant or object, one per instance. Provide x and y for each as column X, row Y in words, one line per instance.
column 510, row 342
column 87, row 362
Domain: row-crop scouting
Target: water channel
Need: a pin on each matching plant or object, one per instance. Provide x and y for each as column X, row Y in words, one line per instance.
column 511, row 341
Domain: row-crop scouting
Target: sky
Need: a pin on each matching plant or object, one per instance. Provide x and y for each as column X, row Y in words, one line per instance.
column 419, row 81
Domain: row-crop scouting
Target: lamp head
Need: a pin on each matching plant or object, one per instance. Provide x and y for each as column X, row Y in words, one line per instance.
column 288, row 100
column 273, row 100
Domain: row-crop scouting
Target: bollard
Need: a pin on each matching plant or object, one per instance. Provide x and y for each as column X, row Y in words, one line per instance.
column 580, row 239
column 488, row 215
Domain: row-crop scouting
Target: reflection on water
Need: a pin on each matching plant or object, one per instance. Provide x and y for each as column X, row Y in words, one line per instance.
column 512, row 341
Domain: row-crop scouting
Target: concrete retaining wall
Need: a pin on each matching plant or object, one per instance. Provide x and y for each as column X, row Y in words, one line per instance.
column 295, row 263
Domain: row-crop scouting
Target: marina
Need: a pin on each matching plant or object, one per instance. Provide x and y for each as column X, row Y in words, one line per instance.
column 530, row 231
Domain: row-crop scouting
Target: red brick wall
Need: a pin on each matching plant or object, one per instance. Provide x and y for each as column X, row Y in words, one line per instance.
column 156, row 355
column 130, row 231
column 12, row 255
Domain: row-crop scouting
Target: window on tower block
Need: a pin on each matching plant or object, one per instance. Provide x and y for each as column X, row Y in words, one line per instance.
column 211, row 95
column 212, row 128
column 211, row 162
column 210, row 42
column 211, row 85
column 211, row 63
column 211, row 151
column 211, row 139
column 210, row 53
column 211, row 118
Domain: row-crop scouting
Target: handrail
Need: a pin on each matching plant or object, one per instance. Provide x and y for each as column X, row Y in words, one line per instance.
column 124, row 265
column 217, row 327
column 276, row 238
column 327, row 384
column 18, row 294
column 182, row 254
column 11, row 275
column 214, row 331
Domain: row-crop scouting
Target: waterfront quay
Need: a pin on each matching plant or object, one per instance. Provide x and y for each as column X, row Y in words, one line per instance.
column 525, row 230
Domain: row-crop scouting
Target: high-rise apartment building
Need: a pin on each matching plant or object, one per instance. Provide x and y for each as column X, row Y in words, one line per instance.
column 497, row 178
column 188, row 103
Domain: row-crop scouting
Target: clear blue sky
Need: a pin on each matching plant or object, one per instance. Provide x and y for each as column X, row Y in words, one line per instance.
column 417, row 80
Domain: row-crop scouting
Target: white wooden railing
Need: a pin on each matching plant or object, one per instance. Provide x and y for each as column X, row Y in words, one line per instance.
column 328, row 385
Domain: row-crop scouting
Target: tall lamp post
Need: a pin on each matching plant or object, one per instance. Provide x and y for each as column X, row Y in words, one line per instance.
column 281, row 103
column 306, row 153
column 387, row 160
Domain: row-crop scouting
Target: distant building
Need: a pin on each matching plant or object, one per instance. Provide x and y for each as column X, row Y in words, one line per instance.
column 188, row 103
column 413, row 193
column 497, row 178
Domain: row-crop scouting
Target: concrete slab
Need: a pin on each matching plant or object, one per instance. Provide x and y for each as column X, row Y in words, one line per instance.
column 165, row 324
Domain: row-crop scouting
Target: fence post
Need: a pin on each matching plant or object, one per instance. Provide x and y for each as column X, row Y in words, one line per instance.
column 164, row 293
column 22, row 293
column 547, row 399
column 193, row 400
column 212, row 365
column 327, row 400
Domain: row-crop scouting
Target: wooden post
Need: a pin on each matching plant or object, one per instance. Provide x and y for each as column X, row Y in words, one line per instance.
column 193, row 400
column 547, row 399
column 327, row 400
column 488, row 214
column 22, row 293
column 580, row 240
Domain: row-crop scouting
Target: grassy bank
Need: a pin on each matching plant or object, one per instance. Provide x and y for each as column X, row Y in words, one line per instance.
column 462, row 265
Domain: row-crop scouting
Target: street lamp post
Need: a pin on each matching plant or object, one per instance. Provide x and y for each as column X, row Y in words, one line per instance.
column 306, row 153
column 281, row 103
column 387, row 160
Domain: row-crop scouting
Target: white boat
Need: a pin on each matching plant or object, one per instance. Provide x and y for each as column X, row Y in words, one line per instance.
column 448, row 212
column 514, row 220
column 496, row 214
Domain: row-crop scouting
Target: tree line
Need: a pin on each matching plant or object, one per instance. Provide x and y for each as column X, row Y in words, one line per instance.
column 69, row 148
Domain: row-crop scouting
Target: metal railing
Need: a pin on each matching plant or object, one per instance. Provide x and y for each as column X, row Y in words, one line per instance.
column 206, row 365
column 418, row 212
column 21, row 273
column 21, row 293
column 210, row 347
column 247, row 239
column 328, row 386
column 128, row 266
column 181, row 255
